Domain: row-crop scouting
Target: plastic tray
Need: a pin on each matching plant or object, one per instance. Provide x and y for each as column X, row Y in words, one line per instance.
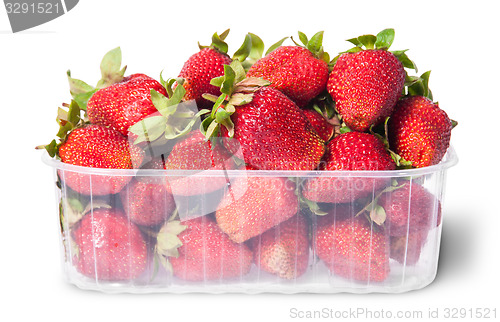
column 409, row 267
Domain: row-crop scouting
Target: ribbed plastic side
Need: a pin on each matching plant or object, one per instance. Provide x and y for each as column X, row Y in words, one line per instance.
column 314, row 232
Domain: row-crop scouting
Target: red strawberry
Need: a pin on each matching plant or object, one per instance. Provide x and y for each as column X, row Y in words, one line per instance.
column 201, row 67
column 109, row 246
column 125, row 103
column 350, row 151
column 409, row 209
column 419, row 131
column 366, row 84
column 267, row 128
column 205, row 252
column 274, row 134
column 146, row 200
column 284, row 249
column 253, row 205
column 195, row 153
column 296, row 71
column 97, row 146
column 350, row 246
column 325, row 129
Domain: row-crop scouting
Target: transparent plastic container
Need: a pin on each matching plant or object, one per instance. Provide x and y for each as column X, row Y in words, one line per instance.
column 343, row 252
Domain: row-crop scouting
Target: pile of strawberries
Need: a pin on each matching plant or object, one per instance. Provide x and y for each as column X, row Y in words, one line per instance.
column 291, row 109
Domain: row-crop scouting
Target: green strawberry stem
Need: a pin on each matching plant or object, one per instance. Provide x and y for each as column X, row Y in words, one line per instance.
column 218, row 42
column 169, row 83
column 250, row 51
column 314, row 45
column 175, row 119
column 304, row 203
column 236, row 90
column 167, row 243
column 67, row 120
column 312, row 206
column 376, row 213
column 80, row 91
column 418, row 85
column 111, row 73
column 403, row 58
column 276, row 45
column 382, row 41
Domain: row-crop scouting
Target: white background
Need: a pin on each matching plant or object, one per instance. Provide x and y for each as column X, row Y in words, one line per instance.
column 457, row 40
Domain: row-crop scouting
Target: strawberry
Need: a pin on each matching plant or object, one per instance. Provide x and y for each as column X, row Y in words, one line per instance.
column 123, row 104
column 284, row 249
column 202, row 252
column 351, row 247
column 195, row 153
column 97, row 146
column 419, row 131
column 146, row 200
column 296, row 71
column 269, row 128
column 201, row 67
column 350, row 151
column 325, row 129
column 275, row 135
column 366, row 84
column 410, row 208
column 109, row 246
column 253, row 205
